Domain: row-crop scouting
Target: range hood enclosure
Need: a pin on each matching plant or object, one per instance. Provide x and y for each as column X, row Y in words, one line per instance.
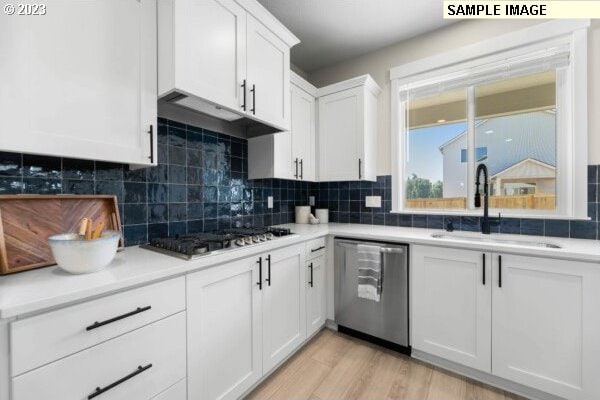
column 226, row 59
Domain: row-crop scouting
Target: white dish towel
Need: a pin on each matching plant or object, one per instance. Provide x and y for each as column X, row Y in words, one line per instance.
column 369, row 272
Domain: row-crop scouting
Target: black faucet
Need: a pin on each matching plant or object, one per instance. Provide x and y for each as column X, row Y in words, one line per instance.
column 486, row 221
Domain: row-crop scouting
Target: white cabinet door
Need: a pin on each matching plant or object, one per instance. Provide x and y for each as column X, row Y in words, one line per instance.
column 224, row 330
column 546, row 328
column 210, row 51
column 341, row 117
column 284, row 304
column 268, row 75
column 315, row 295
column 451, row 305
column 82, row 81
column 303, row 134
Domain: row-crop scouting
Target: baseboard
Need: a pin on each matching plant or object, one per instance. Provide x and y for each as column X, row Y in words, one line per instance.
column 483, row 377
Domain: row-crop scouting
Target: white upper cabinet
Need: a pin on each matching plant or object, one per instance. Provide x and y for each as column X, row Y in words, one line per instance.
column 229, row 59
column 451, row 302
column 347, row 130
column 303, row 129
column 291, row 154
column 202, row 50
column 545, row 325
column 82, row 81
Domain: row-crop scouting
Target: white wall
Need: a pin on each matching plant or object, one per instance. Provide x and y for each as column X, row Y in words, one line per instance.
column 378, row 64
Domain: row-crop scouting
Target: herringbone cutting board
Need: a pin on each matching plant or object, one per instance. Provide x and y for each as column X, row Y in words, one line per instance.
column 26, row 221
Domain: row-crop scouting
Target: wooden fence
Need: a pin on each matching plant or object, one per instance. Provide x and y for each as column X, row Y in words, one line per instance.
column 530, row 201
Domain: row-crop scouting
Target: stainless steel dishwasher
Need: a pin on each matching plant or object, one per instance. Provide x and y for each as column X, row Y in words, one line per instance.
column 384, row 321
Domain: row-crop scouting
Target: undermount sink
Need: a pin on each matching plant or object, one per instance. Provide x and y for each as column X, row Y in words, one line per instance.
column 487, row 239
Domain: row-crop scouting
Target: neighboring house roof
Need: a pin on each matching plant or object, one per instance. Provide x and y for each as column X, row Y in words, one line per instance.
column 512, row 139
column 530, row 168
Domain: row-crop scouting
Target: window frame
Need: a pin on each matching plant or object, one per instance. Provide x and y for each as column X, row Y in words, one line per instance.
column 571, row 101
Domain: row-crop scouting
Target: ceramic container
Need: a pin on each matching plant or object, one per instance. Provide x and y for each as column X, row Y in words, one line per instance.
column 322, row 215
column 302, row 214
column 80, row 256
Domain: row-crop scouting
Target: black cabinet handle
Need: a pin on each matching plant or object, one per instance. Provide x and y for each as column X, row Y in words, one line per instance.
column 301, row 168
column 296, row 176
column 259, row 283
column 269, row 269
column 317, row 249
column 118, row 318
column 483, row 269
column 499, row 271
column 151, row 133
column 253, row 90
column 311, row 274
column 105, row 389
column 359, row 168
column 244, row 103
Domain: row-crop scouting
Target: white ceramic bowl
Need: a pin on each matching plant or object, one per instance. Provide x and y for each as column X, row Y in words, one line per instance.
column 79, row 256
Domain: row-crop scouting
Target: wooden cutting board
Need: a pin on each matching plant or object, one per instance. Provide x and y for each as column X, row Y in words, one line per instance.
column 26, row 222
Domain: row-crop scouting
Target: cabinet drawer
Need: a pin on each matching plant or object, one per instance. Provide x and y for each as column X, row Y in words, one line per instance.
column 47, row 337
column 137, row 365
column 315, row 248
column 176, row 392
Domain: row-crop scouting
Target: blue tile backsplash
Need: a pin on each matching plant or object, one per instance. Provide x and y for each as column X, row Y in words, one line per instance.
column 345, row 201
column 201, row 184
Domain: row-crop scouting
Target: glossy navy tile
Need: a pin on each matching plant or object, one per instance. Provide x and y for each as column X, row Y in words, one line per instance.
column 41, row 166
column 510, row 226
column 177, row 193
column 177, row 174
column 158, row 213
column 11, row 185
column 11, row 164
column 114, row 188
column 135, row 214
column 556, row 228
column 177, row 212
column 135, row 234
column 42, row 186
column 157, row 231
column 177, row 155
column 158, row 193
column 420, row 221
column 530, row 226
column 135, row 192
column 195, row 226
column 77, row 186
column 78, row 169
column 109, row 171
column 583, row 229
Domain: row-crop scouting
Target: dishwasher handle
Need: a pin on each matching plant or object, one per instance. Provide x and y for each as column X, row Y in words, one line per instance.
column 387, row 250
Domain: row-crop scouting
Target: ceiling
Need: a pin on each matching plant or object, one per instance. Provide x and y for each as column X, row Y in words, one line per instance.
column 336, row 30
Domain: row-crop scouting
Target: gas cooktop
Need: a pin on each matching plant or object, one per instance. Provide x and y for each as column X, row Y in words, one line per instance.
column 193, row 246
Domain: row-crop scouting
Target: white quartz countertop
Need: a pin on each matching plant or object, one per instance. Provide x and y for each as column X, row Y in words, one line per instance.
column 37, row 290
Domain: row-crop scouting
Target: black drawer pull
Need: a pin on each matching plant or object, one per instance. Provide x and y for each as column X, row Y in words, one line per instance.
column 499, row 271
column 120, row 317
column 483, row 269
column 151, row 133
column 269, row 269
column 244, row 103
column 253, row 90
column 100, row 390
column 311, row 274
column 317, row 249
column 259, row 283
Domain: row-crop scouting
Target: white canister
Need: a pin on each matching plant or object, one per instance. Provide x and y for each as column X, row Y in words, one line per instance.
column 302, row 214
column 322, row 215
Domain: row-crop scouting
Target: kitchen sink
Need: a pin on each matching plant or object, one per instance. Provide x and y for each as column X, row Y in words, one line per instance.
column 492, row 239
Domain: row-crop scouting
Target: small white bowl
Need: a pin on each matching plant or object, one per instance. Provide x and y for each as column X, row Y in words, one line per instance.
column 80, row 256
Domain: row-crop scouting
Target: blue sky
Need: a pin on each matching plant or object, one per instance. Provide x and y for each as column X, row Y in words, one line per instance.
column 424, row 157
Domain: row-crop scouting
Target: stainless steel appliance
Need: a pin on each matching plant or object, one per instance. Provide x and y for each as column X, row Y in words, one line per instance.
column 384, row 321
column 196, row 245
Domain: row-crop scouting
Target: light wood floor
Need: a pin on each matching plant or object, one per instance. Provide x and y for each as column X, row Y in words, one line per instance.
column 336, row 366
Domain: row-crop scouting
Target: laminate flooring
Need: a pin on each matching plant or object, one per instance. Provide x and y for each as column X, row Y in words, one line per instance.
column 334, row 366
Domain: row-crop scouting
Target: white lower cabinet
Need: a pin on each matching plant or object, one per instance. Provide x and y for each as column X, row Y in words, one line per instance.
column 451, row 305
column 224, row 330
column 545, row 324
column 136, row 366
column 176, row 392
column 244, row 318
column 315, row 295
column 533, row 322
column 284, row 307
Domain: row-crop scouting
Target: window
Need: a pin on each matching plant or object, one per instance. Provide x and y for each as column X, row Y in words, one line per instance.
column 516, row 112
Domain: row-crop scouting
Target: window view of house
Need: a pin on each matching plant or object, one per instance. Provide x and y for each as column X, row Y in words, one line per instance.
column 515, row 136
column 432, row 121
column 516, row 122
